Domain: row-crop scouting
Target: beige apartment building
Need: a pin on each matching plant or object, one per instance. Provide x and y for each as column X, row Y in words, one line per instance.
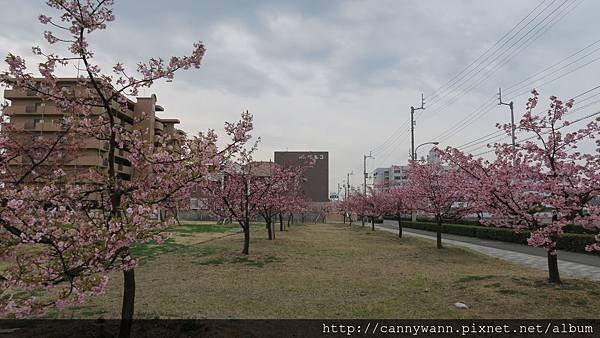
column 32, row 115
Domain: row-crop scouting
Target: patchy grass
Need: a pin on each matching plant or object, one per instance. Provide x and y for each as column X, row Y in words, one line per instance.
column 334, row 271
column 196, row 227
column 474, row 278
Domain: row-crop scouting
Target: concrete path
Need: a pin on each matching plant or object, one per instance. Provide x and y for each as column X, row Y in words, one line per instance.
column 569, row 263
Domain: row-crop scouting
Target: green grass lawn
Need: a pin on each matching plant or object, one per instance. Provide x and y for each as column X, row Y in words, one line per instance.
column 332, row 271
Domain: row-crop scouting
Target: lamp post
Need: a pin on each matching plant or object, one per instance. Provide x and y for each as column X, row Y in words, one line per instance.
column 435, row 143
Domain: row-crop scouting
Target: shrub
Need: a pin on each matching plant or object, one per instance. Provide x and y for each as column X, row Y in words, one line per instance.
column 568, row 241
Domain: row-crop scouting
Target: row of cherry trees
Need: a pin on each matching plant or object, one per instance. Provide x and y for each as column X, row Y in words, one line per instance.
column 431, row 189
column 246, row 190
column 544, row 183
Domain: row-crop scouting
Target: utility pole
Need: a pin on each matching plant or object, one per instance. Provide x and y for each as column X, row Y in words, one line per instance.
column 348, row 183
column 413, row 155
column 512, row 115
column 412, row 127
column 365, row 157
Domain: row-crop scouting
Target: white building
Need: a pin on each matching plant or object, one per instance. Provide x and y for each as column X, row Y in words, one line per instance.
column 395, row 175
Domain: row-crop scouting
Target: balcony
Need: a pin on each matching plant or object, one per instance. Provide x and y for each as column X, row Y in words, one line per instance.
column 87, row 160
column 91, row 143
column 123, row 169
column 158, row 126
column 122, row 153
column 33, row 110
column 43, row 126
column 12, row 94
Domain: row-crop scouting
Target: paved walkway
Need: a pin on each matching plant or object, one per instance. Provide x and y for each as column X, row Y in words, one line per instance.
column 569, row 263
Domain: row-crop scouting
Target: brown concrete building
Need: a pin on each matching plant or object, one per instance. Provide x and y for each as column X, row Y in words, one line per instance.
column 316, row 185
column 30, row 114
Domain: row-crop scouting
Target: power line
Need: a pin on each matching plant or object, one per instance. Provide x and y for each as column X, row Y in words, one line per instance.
column 487, row 138
column 477, row 139
column 552, row 66
column 458, row 77
column 547, row 132
column 499, row 64
column 397, row 132
column 479, row 113
column 462, row 78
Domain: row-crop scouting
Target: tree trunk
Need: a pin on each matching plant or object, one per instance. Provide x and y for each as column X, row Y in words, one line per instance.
column 344, row 218
column 280, row 222
column 289, row 220
column 362, row 220
column 439, row 232
column 270, row 229
column 128, row 304
column 246, row 249
column 554, row 276
column 372, row 223
column 399, row 226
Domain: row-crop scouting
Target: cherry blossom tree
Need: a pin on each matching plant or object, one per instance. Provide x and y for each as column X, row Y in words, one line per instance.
column 397, row 201
column 357, row 205
column 296, row 201
column 544, row 183
column 435, row 188
column 62, row 232
column 345, row 207
column 238, row 191
column 282, row 194
column 342, row 208
column 374, row 204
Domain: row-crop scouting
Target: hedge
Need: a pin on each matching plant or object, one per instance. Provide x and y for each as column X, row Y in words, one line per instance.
column 571, row 228
column 567, row 242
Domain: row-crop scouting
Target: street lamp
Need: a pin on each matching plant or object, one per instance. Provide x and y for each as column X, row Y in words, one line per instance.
column 435, row 143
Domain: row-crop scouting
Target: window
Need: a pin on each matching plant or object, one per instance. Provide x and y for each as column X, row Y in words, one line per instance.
column 67, row 90
column 38, row 122
column 31, row 108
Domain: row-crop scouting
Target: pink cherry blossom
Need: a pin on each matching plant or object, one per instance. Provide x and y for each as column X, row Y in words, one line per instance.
column 542, row 184
column 62, row 232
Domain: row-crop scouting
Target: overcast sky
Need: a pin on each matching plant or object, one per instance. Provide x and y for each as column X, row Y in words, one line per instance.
column 340, row 76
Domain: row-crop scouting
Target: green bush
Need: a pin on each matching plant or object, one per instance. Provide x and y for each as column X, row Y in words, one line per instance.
column 574, row 242
column 568, row 241
column 570, row 229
